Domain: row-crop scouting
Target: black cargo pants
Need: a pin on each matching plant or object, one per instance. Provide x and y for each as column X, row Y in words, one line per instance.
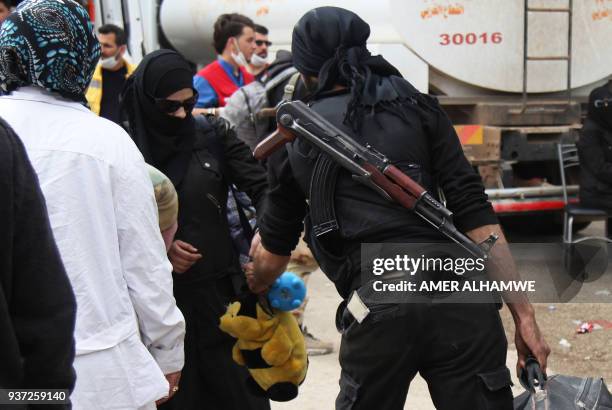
column 459, row 349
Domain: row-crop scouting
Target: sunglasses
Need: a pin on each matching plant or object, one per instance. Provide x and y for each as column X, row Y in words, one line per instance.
column 171, row 106
column 262, row 42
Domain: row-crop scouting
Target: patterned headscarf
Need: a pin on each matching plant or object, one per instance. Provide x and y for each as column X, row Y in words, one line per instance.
column 51, row 44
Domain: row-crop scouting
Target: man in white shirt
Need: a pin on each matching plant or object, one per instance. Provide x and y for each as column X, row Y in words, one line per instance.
column 129, row 333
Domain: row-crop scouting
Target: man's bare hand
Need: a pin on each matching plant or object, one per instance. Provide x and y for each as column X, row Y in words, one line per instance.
column 501, row 267
column 255, row 285
column 255, row 244
column 173, row 381
column 182, row 256
column 529, row 341
column 265, row 268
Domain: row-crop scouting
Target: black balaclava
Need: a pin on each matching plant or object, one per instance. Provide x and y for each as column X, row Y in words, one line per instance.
column 166, row 142
column 330, row 44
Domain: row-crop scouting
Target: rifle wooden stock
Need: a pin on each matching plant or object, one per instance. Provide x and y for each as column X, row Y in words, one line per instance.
column 391, row 188
column 272, row 143
column 404, row 181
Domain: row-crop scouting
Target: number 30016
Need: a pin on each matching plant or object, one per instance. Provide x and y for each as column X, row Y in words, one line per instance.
column 460, row 39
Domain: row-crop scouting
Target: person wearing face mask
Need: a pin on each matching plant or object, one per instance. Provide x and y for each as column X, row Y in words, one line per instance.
column 110, row 74
column 595, row 152
column 234, row 41
column 202, row 156
column 259, row 61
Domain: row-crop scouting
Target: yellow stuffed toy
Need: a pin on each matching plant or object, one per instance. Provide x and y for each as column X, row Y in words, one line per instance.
column 270, row 345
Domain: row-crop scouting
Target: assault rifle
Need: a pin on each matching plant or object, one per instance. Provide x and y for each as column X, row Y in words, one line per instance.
column 367, row 166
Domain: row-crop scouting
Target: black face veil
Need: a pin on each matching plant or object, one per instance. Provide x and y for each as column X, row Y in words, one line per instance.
column 166, row 142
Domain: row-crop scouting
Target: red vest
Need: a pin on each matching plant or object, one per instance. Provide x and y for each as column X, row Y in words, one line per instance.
column 220, row 81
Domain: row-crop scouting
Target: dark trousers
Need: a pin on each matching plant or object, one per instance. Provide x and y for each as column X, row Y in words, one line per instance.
column 459, row 349
column 210, row 379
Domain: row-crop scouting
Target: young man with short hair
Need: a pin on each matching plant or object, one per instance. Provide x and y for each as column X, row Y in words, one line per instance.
column 110, row 74
column 234, row 41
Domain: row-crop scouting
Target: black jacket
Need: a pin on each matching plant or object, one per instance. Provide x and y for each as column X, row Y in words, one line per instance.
column 595, row 152
column 426, row 148
column 37, row 305
column 219, row 159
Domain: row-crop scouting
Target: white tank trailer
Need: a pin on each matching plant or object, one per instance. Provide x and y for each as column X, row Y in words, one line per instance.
column 513, row 75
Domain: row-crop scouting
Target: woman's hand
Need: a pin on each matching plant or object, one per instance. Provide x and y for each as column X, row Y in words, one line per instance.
column 173, row 382
column 182, row 256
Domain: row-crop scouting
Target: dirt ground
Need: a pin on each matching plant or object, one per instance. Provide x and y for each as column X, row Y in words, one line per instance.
column 590, row 354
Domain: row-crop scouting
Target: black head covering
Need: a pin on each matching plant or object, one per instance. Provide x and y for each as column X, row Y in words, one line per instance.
column 166, row 142
column 330, row 43
column 600, row 106
column 51, row 44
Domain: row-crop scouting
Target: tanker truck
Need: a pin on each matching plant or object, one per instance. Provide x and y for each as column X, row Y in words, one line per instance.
column 513, row 76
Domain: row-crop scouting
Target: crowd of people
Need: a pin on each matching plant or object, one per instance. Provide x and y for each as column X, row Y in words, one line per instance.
column 136, row 212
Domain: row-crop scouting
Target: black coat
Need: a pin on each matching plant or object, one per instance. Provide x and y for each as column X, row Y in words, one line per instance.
column 37, row 305
column 595, row 152
column 219, row 159
column 203, row 292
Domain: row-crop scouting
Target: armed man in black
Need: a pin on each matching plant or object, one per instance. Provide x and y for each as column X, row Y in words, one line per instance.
column 459, row 349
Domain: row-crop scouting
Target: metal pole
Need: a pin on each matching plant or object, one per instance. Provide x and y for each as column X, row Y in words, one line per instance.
column 569, row 52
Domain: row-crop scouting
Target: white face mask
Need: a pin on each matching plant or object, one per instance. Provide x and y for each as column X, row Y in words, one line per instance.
column 239, row 58
column 258, row 61
column 109, row 62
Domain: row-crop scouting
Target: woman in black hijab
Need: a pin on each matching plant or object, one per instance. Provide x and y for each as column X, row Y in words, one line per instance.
column 158, row 100
column 202, row 156
column 595, row 150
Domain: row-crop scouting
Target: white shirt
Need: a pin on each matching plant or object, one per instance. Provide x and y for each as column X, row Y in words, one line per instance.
column 129, row 331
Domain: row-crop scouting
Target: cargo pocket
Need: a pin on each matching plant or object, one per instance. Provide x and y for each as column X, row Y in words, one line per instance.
column 382, row 311
column 349, row 390
column 495, row 387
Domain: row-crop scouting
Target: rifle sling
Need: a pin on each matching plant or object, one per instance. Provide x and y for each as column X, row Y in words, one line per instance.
column 322, row 190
